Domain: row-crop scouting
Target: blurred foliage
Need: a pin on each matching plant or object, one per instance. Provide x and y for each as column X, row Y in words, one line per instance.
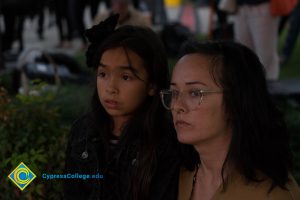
column 292, row 116
column 31, row 132
column 72, row 100
column 80, row 58
column 291, row 68
column 6, row 81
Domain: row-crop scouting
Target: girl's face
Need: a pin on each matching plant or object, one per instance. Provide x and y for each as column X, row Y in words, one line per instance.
column 202, row 123
column 122, row 88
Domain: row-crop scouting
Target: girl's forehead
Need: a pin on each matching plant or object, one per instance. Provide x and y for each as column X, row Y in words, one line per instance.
column 122, row 59
column 119, row 60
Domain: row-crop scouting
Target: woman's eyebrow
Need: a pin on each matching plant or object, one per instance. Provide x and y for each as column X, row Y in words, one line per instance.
column 190, row 83
column 195, row 83
column 102, row 65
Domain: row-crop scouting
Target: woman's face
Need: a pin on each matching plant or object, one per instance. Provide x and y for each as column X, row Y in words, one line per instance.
column 120, row 91
column 206, row 121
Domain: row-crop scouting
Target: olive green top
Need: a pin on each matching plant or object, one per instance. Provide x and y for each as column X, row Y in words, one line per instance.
column 238, row 188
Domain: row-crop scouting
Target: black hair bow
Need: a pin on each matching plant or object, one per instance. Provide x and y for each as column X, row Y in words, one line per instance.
column 96, row 35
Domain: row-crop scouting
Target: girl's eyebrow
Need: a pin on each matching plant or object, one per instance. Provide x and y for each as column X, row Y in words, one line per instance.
column 121, row 67
column 190, row 83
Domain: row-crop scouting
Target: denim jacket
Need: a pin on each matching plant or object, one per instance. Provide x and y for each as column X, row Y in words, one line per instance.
column 84, row 156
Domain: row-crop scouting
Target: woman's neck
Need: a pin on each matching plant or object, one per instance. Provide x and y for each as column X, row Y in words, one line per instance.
column 212, row 156
column 208, row 177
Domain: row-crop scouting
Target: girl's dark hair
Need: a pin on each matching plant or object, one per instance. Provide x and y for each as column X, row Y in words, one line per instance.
column 147, row 124
column 260, row 142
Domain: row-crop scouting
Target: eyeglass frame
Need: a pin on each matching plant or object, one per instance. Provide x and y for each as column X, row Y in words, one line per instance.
column 201, row 91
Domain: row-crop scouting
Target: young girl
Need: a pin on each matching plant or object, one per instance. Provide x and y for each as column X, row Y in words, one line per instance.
column 126, row 136
column 239, row 143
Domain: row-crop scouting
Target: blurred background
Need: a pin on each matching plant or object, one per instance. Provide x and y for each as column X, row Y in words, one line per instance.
column 45, row 84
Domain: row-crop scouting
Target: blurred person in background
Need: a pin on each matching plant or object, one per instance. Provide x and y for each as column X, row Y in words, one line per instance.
column 292, row 35
column 63, row 23
column 158, row 11
column 128, row 14
column 256, row 28
column 14, row 15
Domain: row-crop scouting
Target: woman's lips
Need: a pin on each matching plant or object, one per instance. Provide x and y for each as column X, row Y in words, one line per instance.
column 182, row 124
column 111, row 104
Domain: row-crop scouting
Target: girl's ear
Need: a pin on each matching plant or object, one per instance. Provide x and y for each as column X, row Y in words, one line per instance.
column 151, row 90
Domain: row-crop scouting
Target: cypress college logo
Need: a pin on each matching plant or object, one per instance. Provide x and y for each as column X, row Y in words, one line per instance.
column 21, row 176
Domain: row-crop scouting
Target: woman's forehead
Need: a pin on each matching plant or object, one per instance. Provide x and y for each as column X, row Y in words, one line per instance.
column 193, row 68
column 191, row 65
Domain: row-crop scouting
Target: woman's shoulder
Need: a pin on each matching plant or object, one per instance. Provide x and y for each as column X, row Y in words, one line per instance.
column 292, row 191
column 293, row 188
column 239, row 188
column 186, row 179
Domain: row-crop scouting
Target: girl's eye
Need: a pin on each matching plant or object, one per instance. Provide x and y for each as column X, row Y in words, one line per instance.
column 126, row 77
column 101, row 74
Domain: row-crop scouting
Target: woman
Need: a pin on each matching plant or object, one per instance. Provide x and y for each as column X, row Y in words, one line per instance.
column 220, row 105
column 125, row 137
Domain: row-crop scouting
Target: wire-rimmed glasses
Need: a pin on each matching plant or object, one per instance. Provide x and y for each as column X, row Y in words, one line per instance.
column 192, row 98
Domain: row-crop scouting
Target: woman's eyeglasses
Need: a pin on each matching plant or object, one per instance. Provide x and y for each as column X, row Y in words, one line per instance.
column 191, row 98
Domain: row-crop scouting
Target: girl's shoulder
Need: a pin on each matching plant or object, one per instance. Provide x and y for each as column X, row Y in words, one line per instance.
column 81, row 127
column 168, row 141
column 82, row 145
column 83, row 120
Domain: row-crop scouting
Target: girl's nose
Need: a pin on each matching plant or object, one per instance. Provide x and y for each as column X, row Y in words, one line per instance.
column 111, row 86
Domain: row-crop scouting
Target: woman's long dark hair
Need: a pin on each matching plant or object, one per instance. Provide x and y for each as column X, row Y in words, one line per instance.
column 148, row 122
column 260, row 141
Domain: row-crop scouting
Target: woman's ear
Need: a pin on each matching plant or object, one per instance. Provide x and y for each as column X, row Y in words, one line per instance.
column 151, row 90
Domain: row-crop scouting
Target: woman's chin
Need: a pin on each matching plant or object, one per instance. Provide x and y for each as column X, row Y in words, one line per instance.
column 185, row 138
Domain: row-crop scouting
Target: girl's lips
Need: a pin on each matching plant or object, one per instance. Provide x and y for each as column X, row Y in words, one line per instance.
column 111, row 104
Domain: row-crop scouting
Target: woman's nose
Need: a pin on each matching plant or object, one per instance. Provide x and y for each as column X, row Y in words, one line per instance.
column 178, row 104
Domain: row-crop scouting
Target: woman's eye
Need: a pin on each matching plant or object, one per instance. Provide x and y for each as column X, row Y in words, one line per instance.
column 101, row 74
column 194, row 93
column 174, row 93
